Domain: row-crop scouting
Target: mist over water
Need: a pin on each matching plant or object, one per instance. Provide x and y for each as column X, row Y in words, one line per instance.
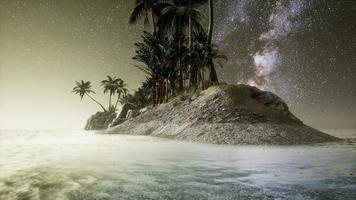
column 85, row 165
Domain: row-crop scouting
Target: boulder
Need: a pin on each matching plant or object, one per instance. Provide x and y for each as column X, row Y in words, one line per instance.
column 132, row 114
column 122, row 113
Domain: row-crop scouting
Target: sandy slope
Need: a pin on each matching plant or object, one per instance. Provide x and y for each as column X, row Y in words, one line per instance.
column 225, row 114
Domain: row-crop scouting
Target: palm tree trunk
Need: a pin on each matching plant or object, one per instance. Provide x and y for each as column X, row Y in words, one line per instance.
column 153, row 22
column 178, row 34
column 96, row 102
column 160, row 91
column 211, row 21
column 117, row 100
column 167, row 90
column 202, row 78
column 190, row 44
column 173, row 87
column 163, row 90
column 158, row 94
column 198, row 77
column 110, row 101
column 154, row 95
column 213, row 75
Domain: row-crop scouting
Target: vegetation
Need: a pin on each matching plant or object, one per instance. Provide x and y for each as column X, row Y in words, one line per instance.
column 112, row 85
column 176, row 56
column 141, row 98
column 83, row 88
column 178, row 52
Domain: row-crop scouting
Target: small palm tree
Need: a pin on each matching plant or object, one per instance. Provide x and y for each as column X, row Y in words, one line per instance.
column 110, row 85
column 121, row 91
column 83, row 88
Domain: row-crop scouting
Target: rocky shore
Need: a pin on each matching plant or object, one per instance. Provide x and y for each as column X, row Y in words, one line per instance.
column 100, row 121
column 224, row 114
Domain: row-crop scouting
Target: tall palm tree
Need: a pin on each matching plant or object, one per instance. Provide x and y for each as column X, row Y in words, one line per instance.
column 175, row 16
column 206, row 54
column 144, row 8
column 84, row 88
column 110, row 86
column 146, row 54
column 213, row 75
column 190, row 44
column 158, row 57
column 192, row 68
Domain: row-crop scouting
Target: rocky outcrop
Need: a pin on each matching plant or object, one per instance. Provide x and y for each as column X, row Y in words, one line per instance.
column 132, row 114
column 225, row 114
column 100, row 121
column 122, row 114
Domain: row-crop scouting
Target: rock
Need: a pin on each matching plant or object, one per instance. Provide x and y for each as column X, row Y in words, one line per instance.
column 132, row 114
column 121, row 116
column 143, row 110
column 100, row 121
column 122, row 113
column 225, row 114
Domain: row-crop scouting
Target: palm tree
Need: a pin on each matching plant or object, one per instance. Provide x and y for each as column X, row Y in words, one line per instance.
column 213, row 75
column 141, row 98
column 180, row 14
column 84, row 88
column 121, row 91
column 169, row 51
column 192, row 68
column 158, row 57
column 205, row 54
column 144, row 8
column 110, row 85
column 175, row 16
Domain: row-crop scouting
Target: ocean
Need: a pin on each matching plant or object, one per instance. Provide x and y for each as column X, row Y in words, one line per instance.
column 72, row 165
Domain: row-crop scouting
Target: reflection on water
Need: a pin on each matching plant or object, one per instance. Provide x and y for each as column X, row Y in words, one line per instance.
column 84, row 165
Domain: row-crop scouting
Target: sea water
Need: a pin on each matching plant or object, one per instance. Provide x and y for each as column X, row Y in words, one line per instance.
column 85, row 165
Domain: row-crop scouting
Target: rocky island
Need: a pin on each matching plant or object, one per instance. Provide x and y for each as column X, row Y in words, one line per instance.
column 224, row 114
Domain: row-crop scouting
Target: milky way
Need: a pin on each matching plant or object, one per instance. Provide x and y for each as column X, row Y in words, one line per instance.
column 294, row 48
column 281, row 22
column 267, row 59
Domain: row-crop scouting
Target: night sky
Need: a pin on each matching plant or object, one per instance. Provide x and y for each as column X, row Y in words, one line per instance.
column 303, row 50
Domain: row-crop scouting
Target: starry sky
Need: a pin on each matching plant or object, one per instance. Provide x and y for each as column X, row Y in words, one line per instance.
column 303, row 50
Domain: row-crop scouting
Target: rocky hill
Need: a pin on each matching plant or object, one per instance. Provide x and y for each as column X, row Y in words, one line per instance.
column 224, row 114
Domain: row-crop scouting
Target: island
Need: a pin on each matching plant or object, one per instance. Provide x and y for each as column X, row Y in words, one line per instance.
column 182, row 96
column 224, row 114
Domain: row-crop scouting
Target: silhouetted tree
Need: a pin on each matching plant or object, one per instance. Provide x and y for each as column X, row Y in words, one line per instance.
column 213, row 76
column 84, row 88
column 171, row 55
column 110, row 85
column 144, row 8
column 121, row 91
